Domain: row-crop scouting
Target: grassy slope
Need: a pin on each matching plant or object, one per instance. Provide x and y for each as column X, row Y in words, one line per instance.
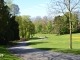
column 58, row 43
column 7, row 55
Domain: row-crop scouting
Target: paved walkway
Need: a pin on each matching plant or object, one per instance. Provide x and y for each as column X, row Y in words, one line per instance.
column 28, row 53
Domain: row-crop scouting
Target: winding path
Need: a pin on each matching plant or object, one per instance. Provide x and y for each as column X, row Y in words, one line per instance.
column 28, row 53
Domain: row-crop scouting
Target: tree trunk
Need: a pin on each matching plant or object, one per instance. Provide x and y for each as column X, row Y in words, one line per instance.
column 70, row 34
column 70, row 25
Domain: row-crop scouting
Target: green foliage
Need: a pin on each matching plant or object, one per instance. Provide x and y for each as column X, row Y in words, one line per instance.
column 41, row 24
column 8, row 26
column 49, row 27
column 39, row 28
column 4, row 23
column 14, row 26
column 26, row 27
column 61, row 23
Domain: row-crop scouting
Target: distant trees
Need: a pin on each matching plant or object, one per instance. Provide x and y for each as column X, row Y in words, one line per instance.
column 61, row 23
column 38, row 26
column 49, row 27
column 43, row 25
column 58, row 25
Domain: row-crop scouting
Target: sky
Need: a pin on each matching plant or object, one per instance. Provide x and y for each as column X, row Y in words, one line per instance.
column 33, row 7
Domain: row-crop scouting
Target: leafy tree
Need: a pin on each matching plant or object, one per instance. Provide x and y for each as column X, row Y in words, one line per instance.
column 37, row 24
column 49, row 27
column 78, row 26
column 15, row 28
column 26, row 27
column 4, row 23
column 44, row 24
column 39, row 28
column 61, row 23
column 40, row 24
column 58, row 23
column 32, row 29
column 74, row 22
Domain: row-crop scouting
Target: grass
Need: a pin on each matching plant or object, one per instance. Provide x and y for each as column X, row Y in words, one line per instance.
column 7, row 55
column 57, row 43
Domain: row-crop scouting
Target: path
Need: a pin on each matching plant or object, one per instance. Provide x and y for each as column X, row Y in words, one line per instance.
column 28, row 53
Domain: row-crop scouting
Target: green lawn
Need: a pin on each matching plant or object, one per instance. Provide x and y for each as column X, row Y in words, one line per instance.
column 7, row 55
column 57, row 43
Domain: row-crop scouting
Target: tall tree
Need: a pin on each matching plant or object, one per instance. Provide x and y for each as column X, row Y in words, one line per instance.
column 59, row 25
column 62, row 6
column 14, row 26
column 4, row 23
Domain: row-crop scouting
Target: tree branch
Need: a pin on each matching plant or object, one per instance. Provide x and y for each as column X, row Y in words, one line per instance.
column 75, row 5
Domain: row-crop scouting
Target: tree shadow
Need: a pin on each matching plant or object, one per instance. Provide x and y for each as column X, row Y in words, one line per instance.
column 36, row 38
column 70, row 51
column 19, row 49
column 31, row 50
column 35, row 43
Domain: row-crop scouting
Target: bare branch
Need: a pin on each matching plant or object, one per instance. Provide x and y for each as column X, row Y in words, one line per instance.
column 66, row 4
column 75, row 5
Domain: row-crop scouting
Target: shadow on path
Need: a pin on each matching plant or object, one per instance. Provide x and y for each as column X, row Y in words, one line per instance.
column 28, row 53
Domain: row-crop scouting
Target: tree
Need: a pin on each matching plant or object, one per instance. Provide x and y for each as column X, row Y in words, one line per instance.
column 14, row 26
column 49, row 27
column 37, row 24
column 26, row 27
column 4, row 23
column 78, row 26
column 62, row 6
column 61, row 23
column 15, row 9
column 57, row 23
column 1, row 1
column 39, row 28
column 32, row 29
column 43, row 22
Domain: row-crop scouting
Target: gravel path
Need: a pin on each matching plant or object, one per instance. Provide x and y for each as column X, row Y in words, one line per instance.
column 28, row 53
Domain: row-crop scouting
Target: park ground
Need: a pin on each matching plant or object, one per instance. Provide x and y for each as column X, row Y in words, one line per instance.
column 49, row 42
